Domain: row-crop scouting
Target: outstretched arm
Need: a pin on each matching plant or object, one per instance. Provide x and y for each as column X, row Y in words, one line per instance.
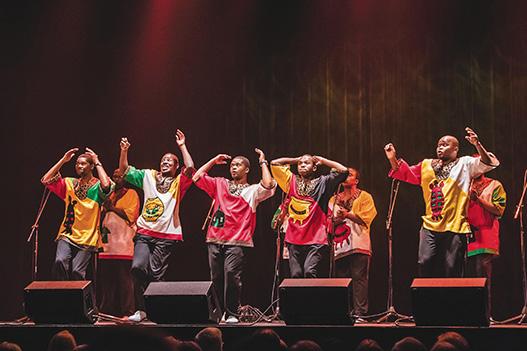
column 219, row 159
column 180, row 140
column 103, row 176
column 56, row 168
column 123, row 156
column 267, row 179
column 285, row 161
column 330, row 163
column 472, row 138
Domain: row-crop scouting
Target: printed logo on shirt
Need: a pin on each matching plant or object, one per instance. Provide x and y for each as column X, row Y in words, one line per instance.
column 298, row 209
column 153, row 209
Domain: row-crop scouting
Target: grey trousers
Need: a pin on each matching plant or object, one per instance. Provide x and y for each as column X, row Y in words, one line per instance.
column 149, row 264
column 307, row 261
column 71, row 262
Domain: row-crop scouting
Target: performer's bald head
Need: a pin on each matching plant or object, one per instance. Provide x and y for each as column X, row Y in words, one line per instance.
column 447, row 148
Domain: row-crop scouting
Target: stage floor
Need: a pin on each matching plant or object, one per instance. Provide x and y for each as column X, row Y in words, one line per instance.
column 496, row 337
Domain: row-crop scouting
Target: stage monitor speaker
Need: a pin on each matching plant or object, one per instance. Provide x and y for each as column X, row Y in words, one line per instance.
column 182, row 303
column 60, row 302
column 316, row 301
column 450, row 302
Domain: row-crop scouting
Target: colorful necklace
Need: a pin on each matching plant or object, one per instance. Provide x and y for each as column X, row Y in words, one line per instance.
column 236, row 189
column 306, row 187
column 163, row 183
column 81, row 188
column 441, row 170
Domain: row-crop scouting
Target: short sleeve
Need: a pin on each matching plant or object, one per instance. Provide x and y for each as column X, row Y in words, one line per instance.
column 365, row 209
column 263, row 193
column 499, row 198
column 406, row 173
column 135, row 176
column 58, row 187
column 185, row 180
column 208, row 184
column 476, row 167
column 282, row 175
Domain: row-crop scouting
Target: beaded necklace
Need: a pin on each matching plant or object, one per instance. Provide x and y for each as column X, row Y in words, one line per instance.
column 81, row 188
column 236, row 189
column 441, row 170
column 306, row 187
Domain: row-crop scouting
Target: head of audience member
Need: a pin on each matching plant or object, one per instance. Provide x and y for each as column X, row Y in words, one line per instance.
column 305, row 345
column 84, row 165
column 62, row 341
column 188, row 346
column 9, row 346
column 368, row 345
column 132, row 339
column 306, row 166
column 443, row 346
column 168, row 165
column 264, row 340
column 409, row 344
column 82, row 347
column 210, row 339
column 455, row 339
column 447, row 148
column 239, row 168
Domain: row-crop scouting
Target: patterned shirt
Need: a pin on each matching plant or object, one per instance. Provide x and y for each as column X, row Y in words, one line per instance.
column 485, row 225
column 234, row 216
column 160, row 215
column 445, row 196
column 82, row 212
column 307, row 204
column 351, row 237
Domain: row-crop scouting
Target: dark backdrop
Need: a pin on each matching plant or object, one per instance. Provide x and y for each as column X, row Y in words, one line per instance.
column 335, row 78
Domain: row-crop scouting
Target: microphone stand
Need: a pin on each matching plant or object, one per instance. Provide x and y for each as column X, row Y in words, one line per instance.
column 280, row 236
column 331, row 234
column 34, row 232
column 521, row 318
column 391, row 312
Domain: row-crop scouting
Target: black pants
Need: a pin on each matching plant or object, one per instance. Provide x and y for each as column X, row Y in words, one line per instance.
column 356, row 266
column 149, row 264
column 480, row 266
column 441, row 254
column 308, row 261
column 71, row 262
column 226, row 266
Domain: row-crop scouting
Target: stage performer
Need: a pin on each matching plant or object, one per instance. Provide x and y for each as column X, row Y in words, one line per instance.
column 158, row 226
column 79, row 235
column 233, row 222
column 445, row 183
column 120, row 212
column 306, row 201
column 486, row 206
column 352, row 217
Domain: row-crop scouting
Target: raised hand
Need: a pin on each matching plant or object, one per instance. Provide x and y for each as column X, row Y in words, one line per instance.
column 69, row 154
column 93, row 155
column 180, row 138
column 124, row 144
column 471, row 136
column 261, row 155
column 317, row 160
column 390, row 152
column 221, row 159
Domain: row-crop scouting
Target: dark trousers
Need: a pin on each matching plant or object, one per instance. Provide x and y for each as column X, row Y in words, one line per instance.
column 356, row 266
column 441, row 254
column 115, row 287
column 149, row 264
column 71, row 262
column 480, row 266
column 307, row 261
column 226, row 266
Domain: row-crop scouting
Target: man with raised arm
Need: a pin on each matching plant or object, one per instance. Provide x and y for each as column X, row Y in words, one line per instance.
column 79, row 235
column 158, row 226
column 232, row 224
column 307, row 199
column 445, row 182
